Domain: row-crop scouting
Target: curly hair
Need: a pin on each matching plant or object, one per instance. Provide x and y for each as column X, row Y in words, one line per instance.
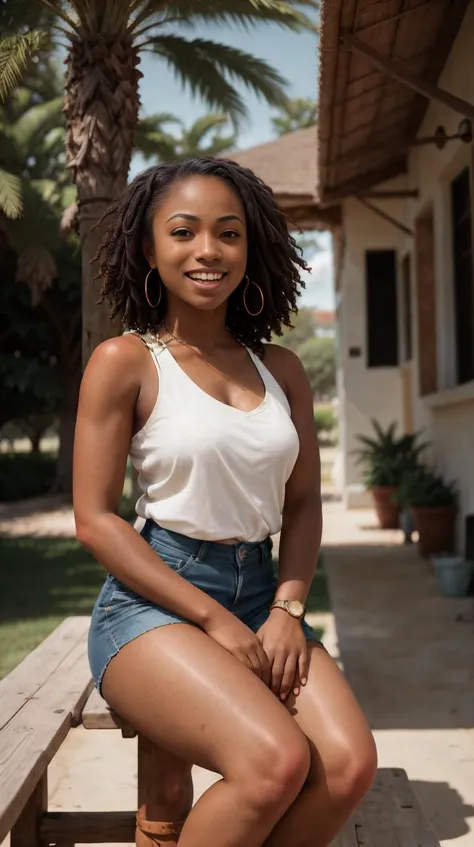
column 273, row 260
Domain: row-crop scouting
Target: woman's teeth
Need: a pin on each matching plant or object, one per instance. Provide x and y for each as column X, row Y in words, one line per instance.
column 202, row 277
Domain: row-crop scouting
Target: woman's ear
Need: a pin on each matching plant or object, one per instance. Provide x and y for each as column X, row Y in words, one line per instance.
column 148, row 252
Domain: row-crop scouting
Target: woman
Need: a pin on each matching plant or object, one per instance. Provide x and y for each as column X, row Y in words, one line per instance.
column 199, row 263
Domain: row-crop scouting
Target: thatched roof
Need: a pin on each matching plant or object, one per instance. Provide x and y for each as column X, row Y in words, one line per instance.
column 366, row 117
column 289, row 166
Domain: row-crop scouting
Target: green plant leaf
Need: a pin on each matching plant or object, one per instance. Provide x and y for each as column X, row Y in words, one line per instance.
column 10, row 195
column 15, row 54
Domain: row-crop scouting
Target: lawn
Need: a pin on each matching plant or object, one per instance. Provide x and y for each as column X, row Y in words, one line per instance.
column 43, row 580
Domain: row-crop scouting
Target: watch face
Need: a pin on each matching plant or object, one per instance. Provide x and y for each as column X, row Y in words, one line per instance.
column 296, row 608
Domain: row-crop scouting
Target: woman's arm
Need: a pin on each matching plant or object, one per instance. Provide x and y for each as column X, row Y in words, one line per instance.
column 302, row 513
column 282, row 636
column 108, row 397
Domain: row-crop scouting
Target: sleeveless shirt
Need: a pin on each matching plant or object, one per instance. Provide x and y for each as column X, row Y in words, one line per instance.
column 206, row 469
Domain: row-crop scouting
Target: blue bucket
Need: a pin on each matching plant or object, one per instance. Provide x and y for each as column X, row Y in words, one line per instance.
column 453, row 575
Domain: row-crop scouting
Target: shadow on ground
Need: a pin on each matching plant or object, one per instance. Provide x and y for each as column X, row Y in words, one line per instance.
column 446, row 808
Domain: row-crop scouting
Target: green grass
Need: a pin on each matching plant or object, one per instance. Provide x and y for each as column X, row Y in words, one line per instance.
column 43, row 580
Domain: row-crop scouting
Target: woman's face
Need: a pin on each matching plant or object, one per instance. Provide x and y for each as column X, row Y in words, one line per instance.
column 200, row 241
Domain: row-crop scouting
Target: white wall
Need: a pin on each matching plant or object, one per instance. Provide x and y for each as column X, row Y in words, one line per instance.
column 364, row 392
column 448, row 416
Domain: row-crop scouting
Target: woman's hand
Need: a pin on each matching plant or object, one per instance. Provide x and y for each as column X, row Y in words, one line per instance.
column 284, row 642
column 239, row 640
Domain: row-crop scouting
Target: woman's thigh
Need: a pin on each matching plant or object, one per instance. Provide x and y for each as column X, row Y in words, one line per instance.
column 189, row 695
column 341, row 742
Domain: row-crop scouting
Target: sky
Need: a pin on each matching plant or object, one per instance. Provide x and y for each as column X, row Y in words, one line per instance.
column 295, row 55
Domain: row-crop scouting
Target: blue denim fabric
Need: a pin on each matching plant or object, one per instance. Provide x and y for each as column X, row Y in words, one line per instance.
column 238, row 576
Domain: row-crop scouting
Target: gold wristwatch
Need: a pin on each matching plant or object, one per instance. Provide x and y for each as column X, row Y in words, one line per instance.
column 293, row 607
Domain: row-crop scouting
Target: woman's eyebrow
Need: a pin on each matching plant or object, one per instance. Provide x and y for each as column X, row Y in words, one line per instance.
column 188, row 217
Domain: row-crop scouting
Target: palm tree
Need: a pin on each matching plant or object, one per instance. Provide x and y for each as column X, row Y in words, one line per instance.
column 104, row 41
column 203, row 138
column 296, row 113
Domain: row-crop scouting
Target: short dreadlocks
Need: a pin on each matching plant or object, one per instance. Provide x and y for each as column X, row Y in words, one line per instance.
column 273, row 260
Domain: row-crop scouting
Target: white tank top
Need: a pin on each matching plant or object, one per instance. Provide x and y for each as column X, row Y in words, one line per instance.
column 208, row 470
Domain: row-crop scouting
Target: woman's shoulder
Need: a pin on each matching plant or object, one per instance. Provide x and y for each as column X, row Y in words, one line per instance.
column 281, row 360
column 117, row 364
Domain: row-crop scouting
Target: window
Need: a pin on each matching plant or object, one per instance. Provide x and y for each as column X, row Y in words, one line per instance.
column 463, row 276
column 381, row 300
column 406, row 298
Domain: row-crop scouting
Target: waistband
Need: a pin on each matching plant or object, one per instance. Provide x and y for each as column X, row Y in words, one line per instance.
column 151, row 530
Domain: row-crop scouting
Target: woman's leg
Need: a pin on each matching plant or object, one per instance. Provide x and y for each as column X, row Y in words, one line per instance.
column 343, row 757
column 187, row 694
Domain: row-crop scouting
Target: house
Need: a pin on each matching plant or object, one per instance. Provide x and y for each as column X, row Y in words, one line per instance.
column 395, row 161
column 324, row 322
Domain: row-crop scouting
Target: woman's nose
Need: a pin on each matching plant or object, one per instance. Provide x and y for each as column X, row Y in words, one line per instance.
column 208, row 249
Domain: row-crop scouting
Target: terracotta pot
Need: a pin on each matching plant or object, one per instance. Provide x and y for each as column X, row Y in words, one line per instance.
column 388, row 511
column 436, row 526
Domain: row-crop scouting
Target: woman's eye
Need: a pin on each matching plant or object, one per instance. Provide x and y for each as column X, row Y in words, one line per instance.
column 230, row 233
column 182, row 231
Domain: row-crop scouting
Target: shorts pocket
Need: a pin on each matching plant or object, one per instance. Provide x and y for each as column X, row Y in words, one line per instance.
column 172, row 556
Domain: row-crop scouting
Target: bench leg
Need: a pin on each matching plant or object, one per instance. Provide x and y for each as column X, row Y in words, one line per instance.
column 25, row 832
column 165, row 795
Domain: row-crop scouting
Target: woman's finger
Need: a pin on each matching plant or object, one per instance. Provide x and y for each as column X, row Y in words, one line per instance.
column 265, row 665
column 288, row 675
column 278, row 667
column 303, row 664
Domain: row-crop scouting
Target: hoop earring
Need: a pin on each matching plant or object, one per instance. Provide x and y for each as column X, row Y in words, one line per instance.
column 253, row 314
column 152, row 305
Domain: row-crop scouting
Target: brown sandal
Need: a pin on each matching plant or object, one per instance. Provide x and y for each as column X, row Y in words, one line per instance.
column 157, row 833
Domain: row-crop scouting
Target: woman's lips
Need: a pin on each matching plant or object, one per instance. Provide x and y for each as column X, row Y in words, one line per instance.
column 208, row 284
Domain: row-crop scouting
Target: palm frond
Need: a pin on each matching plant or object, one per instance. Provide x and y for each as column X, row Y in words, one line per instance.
column 15, row 53
column 202, row 126
column 10, row 195
column 39, row 119
column 152, row 140
column 204, row 65
column 246, row 13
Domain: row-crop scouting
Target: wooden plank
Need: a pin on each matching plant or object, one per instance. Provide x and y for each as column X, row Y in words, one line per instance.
column 347, row 836
column 35, row 733
column 373, row 820
column 25, row 833
column 24, row 681
column 88, row 827
column 410, row 825
column 97, row 714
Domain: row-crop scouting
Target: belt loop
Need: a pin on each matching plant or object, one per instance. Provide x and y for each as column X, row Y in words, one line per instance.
column 202, row 552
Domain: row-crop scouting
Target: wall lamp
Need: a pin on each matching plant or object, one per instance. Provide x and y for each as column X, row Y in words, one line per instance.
column 441, row 138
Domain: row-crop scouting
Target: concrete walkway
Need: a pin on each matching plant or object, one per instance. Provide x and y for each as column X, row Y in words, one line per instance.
column 408, row 654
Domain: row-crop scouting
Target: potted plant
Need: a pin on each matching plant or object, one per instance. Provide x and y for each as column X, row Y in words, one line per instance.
column 386, row 459
column 453, row 574
column 433, row 504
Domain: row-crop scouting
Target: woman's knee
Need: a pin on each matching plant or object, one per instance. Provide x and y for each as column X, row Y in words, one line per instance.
column 276, row 771
column 352, row 771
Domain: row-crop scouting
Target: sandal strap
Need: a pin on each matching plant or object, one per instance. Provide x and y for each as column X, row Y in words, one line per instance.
column 159, row 827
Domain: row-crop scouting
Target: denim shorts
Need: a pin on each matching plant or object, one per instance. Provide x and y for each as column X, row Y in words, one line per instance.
column 239, row 576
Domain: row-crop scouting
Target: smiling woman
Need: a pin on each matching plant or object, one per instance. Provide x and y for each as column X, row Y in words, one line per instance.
column 199, row 263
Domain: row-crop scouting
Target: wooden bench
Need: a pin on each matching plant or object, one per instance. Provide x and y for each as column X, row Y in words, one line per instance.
column 51, row 692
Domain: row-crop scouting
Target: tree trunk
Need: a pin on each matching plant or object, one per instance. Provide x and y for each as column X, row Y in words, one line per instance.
column 35, row 439
column 101, row 108
column 67, row 420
